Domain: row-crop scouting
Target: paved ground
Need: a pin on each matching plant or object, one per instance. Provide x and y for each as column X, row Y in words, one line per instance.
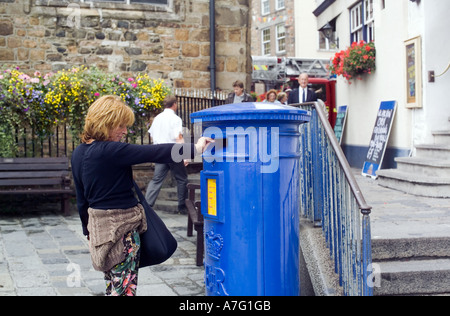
column 399, row 215
column 44, row 253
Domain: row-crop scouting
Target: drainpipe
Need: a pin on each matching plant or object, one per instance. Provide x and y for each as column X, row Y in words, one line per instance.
column 212, row 49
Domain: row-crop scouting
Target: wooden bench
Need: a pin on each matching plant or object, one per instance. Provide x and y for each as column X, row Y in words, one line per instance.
column 195, row 220
column 20, row 176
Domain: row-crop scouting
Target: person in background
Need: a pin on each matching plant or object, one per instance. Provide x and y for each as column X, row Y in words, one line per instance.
column 167, row 129
column 302, row 94
column 239, row 94
column 282, row 98
column 271, row 96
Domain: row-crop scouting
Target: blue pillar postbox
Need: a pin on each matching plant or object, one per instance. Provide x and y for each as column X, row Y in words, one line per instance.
column 250, row 198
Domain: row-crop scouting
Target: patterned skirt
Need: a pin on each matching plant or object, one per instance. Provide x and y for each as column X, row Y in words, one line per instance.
column 121, row 280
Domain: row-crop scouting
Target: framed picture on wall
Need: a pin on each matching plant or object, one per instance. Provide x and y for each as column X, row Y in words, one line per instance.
column 413, row 72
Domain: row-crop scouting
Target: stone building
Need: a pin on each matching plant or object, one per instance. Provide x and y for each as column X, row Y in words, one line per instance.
column 273, row 28
column 167, row 39
column 412, row 63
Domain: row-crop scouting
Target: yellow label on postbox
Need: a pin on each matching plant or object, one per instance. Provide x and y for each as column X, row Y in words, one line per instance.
column 212, row 197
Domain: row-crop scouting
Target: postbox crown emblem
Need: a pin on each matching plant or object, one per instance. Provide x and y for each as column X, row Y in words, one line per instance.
column 214, row 244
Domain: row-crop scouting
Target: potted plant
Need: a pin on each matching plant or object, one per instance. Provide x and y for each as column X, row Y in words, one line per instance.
column 355, row 61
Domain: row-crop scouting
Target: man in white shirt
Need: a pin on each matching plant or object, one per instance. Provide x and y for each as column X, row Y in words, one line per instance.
column 167, row 128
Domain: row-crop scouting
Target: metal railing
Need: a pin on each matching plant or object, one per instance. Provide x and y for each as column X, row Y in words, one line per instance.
column 331, row 198
column 60, row 144
column 190, row 101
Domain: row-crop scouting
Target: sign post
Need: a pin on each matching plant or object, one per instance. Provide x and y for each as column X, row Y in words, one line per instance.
column 341, row 118
column 379, row 140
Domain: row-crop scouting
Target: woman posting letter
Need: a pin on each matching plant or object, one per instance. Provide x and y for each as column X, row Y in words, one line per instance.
column 111, row 217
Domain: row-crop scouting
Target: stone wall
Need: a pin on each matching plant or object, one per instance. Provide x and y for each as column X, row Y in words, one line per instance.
column 169, row 42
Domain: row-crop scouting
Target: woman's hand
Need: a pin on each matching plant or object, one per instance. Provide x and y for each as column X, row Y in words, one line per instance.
column 203, row 143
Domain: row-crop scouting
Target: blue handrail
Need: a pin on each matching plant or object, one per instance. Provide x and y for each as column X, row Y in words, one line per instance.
column 331, row 198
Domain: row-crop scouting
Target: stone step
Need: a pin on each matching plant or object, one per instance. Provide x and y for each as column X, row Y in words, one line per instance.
column 411, row 266
column 171, row 194
column 166, row 206
column 168, row 194
column 433, row 151
column 424, row 166
column 414, row 184
column 412, row 277
column 194, row 178
column 441, row 137
column 410, row 248
column 167, row 200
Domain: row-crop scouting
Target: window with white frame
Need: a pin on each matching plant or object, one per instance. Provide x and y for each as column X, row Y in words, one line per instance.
column 369, row 20
column 160, row 10
column 356, row 23
column 281, row 38
column 265, row 7
column 326, row 44
column 323, row 42
column 160, row 2
column 362, row 22
column 266, row 41
column 280, row 5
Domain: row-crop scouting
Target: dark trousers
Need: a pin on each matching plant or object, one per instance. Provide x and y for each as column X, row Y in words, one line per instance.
column 179, row 172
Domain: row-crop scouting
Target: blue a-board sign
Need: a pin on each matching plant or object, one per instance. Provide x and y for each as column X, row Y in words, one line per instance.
column 341, row 118
column 380, row 137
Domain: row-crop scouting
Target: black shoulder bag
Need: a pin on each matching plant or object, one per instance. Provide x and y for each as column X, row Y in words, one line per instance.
column 157, row 243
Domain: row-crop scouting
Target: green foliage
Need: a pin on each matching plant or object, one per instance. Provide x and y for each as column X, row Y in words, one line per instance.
column 354, row 61
column 41, row 102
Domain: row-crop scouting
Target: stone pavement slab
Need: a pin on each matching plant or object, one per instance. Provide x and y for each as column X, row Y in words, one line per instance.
column 45, row 254
column 396, row 214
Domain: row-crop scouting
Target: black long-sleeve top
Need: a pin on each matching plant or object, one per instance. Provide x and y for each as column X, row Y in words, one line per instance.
column 103, row 176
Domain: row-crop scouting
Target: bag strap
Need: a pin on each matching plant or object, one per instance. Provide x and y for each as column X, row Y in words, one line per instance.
column 139, row 193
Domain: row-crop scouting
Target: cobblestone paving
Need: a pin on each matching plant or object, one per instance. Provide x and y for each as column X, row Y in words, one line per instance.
column 44, row 253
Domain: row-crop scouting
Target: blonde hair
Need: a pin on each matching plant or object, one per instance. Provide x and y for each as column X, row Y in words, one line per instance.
column 105, row 114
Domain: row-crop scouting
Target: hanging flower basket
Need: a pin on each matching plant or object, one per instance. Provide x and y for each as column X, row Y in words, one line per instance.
column 352, row 63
